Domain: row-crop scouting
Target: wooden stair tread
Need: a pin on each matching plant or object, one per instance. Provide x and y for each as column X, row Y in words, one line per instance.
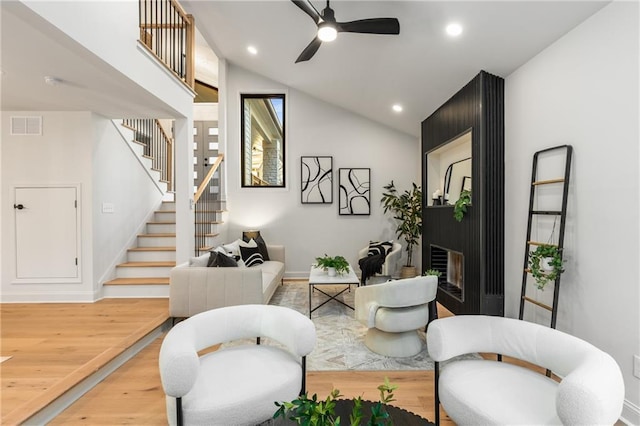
column 147, row 264
column 152, row 249
column 160, row 222
column 158, row 235
column 139, row 281
column 165, row 211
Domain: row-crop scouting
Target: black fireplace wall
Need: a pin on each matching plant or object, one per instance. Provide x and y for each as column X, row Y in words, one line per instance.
column 478, row 106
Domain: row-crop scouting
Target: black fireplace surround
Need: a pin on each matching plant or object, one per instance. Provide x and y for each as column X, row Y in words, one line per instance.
column 470, row 253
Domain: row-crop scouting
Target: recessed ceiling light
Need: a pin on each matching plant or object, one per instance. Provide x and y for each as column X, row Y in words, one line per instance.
column 454, row 29
column 397, row 108
column 252, row 50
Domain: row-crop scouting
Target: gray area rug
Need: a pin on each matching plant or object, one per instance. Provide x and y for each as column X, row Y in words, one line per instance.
column 340, row 338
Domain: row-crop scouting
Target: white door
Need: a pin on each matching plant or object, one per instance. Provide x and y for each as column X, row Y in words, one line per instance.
column 46, row 232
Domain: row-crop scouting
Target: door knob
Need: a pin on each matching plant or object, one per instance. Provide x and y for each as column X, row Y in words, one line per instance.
column 18, row 206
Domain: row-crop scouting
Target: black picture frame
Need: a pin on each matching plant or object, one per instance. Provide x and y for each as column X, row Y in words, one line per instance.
column 354, row 196
column 316, row 179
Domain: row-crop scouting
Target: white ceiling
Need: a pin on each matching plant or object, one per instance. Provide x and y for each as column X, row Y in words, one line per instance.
column 32, row 48
column 419, row 69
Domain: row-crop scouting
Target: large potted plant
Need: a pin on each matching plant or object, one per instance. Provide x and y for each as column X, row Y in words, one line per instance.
column 407, row 211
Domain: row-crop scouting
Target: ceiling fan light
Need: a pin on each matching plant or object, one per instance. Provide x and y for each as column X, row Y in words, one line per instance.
column 327, row 32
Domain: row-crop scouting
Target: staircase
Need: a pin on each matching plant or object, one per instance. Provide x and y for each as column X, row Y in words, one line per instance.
column 146, row 271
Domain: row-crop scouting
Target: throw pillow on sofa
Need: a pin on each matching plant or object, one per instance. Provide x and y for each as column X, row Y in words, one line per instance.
column 221, row 260
column 233, row 249
column 251, row 256
column 262, row 246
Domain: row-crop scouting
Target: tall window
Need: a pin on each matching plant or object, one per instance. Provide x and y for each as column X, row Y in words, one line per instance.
column 262, row 159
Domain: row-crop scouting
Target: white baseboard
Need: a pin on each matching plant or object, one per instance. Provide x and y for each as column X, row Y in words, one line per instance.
column 630, row 413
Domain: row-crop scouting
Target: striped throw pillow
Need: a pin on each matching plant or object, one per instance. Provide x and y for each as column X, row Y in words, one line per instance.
column 251, row 256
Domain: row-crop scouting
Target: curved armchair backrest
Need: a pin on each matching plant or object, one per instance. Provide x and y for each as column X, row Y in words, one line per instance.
column 401, row 293
column 179, row 351
column 592, row 387
column 393, row 294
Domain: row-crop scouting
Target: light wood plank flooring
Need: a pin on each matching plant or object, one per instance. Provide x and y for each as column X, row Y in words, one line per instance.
column 133, row 394
column 54, row 346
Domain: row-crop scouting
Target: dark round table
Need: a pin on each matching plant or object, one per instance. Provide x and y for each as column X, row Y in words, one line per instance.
column 399, row 416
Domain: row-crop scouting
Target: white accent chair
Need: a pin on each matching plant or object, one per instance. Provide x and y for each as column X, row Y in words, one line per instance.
column 393, row 312
column 390, row 261
column 488, row 392
column 235, row 385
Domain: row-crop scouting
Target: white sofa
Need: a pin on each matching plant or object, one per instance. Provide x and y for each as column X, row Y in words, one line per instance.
column 195, row 289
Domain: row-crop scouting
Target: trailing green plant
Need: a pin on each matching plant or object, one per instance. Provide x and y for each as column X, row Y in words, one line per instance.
column 433, row 272
column 407, row 210
column 540, row 275
column 311, row 411
column 460, row 207
column 338, row 262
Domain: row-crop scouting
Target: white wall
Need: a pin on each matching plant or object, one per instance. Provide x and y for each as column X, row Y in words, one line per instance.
column 315, row 128
column 118, row 179
column 583, row 91
column 62, row 155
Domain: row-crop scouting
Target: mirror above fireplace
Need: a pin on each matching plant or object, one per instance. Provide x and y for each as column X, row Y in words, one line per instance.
column 449, row 167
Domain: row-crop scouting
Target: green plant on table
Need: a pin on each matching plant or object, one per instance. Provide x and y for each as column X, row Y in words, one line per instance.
column 460, row 207
column 554, row 260
column 338, row 262
column 311, row 411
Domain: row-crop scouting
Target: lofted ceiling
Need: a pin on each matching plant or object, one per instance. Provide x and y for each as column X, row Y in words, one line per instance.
column 418, row 69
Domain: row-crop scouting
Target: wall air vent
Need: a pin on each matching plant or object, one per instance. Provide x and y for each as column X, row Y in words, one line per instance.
column 26, row 126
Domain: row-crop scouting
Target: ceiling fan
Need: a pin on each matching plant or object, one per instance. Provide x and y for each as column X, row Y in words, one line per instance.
column 328, row 27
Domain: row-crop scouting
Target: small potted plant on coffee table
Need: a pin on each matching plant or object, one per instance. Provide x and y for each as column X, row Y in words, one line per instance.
column 333, row 265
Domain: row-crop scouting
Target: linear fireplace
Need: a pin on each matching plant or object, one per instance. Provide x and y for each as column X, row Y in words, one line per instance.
column 450, row 264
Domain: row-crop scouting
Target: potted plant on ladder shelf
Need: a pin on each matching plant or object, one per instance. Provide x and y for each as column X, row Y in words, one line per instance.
column 545, row 264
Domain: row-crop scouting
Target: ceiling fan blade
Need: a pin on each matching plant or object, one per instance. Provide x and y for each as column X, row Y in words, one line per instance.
column 371, row 26
column 308, row 8
column 310, row 50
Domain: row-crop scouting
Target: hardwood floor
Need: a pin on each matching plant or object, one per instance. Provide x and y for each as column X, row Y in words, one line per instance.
column 54, row 346
column 133, row 394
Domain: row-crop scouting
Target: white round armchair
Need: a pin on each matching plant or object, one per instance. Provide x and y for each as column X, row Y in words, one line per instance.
column 393, row 312
column 237, row 385
column 488, row 392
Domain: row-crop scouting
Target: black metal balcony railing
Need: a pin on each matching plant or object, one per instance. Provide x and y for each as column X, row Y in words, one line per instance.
column 158, row 146
column 168, row 32
column 207, row 207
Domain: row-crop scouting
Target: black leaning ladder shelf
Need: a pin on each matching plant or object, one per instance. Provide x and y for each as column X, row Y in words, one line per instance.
column 562, row 214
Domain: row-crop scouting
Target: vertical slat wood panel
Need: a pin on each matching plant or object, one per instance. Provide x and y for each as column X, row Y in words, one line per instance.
column 480, row 235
